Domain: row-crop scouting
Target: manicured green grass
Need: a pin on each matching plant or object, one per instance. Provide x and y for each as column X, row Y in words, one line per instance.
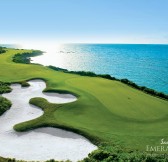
column 107, row 112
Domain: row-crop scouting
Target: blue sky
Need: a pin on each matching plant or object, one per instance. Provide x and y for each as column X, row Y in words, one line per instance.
column 87, row 21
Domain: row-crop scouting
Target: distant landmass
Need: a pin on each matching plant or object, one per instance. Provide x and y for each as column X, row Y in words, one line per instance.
column 11, row 45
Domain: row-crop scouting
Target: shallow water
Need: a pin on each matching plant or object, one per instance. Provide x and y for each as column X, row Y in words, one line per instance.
column 146, row 65
column 42, row 143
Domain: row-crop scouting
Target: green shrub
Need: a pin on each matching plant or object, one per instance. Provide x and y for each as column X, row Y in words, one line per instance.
column 2, row 50
column 145, row 89
column 107, row 76
column 19, row 58
column 151, row 159
column 123, row 156
column 83, row 73
column 4, row 87
column 24, row 84
column 5, row 104
column 99, row 155
column 25, row 57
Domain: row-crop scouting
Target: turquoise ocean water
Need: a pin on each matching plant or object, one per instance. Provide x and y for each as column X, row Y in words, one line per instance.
column 146, row 65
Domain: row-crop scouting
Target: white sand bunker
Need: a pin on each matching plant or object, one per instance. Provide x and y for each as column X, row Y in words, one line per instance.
column 43, row 143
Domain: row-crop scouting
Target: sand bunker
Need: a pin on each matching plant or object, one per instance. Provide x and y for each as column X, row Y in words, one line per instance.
column 43, row 143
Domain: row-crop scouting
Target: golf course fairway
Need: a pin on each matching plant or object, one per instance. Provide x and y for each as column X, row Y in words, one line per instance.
column 107, row 112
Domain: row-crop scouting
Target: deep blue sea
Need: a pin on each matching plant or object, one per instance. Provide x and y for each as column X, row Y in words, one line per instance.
column 146, row 65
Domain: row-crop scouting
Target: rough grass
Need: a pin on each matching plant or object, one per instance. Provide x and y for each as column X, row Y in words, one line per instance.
column 106, row 111
column 5, row 105
column 4, row 87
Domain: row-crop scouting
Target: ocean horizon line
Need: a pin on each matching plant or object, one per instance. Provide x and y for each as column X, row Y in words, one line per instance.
column 92, row 43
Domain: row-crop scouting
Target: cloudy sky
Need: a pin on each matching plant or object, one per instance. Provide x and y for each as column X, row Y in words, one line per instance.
column 84, row 21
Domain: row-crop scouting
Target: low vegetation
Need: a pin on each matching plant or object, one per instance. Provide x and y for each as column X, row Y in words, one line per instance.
column 83, row 73
column 123, row 156
column 145, row 89
column 4, row 87
column 25, row 57
column 5, row 104
column 14, row 160
column 7, row 160
column 104, row 156
column 24, row 83
column 2, row 50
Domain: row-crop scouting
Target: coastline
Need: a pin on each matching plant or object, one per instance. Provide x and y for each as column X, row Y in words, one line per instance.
column 145, row 65
column 26, row 58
